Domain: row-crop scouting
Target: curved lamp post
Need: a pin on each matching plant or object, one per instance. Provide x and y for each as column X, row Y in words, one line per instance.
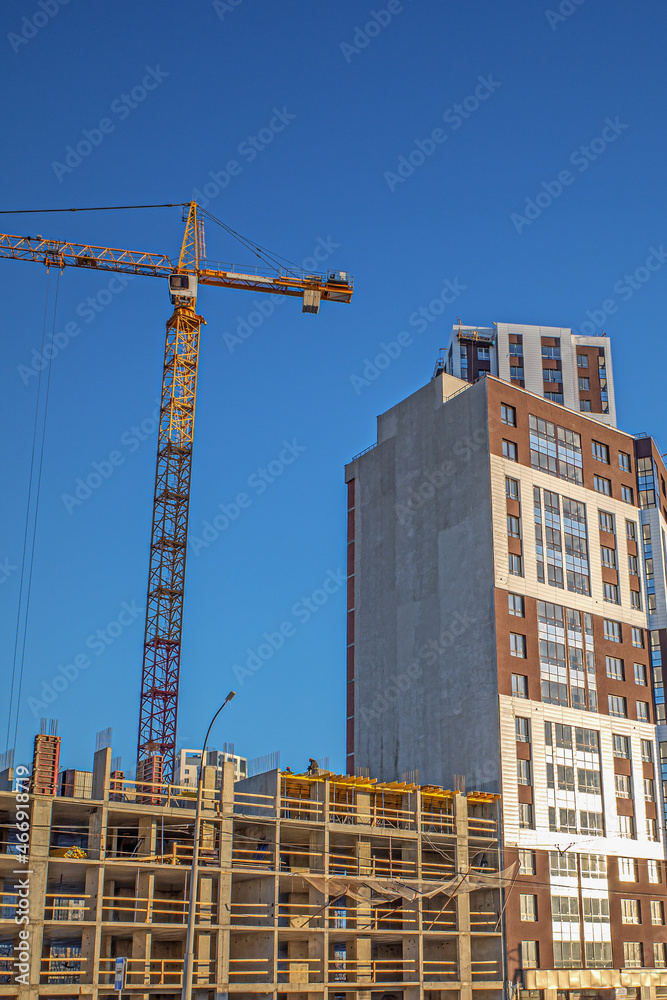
column 186, row 992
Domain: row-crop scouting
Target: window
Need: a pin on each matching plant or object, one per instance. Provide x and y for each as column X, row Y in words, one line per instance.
column 613, row 631
column 562, row 820
column 630, row 913
column 567, row 955
column 513, row 526
column 529, row 955
column 654, row 872
column 631, row 531
column 483, row 354
column 615, row 668
column 657, row 912
column 647, row 751
column 593, row 866
column 618, row 706
column 525, row 816
column 592, row 824
column 602, row 485
column 515, row 563
column 636, row 600
column 516, row 374
column 519, row 686
column 522, row 727
column 600, row 452
column 627, row 870
column 649, row 790
column 528, row 906
column 508, row 414
column 633, row 567
column 565, row 908
column 608, row 557
column 632, row 955
column 565, row 777
column 642, row 711
column 640, row 674
column 563, row 736
column 626, row 827
column 610, row 593
column 626, row 494
column 659, row 959
column 562, row 863
column 624, row 462
column 606, row 521
column 652, row 829
column 526, row 862
column 584, row 383
column 511, row 488
column 585, row 405
column 637, row 637
column 554, row 397
column 598, row 953
column 516, row 605
column 588, row 781
column 517, row 645
column 586, row 740
column 510, row 450
column 553, row 353
column 523, row 772
column 552, row 375
column 623, row 786
column 621, row 746
column 555, row 450
column 582, row 361
column 516, row 349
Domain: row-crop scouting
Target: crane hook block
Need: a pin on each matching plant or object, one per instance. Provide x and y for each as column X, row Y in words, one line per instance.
column 311, row 300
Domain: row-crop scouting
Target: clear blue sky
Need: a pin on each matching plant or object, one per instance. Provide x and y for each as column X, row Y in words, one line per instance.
column 335, row 108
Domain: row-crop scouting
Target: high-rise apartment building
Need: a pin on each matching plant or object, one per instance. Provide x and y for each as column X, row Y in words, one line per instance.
column 551, row 361
column 507, row 623
column 188, row 765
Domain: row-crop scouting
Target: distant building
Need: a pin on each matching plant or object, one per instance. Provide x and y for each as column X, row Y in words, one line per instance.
column 188, row 763
column 551, row 361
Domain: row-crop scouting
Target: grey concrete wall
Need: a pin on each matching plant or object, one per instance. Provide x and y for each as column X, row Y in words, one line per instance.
column 426, row 691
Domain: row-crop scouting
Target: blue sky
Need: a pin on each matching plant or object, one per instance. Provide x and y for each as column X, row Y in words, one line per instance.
column 417, row 145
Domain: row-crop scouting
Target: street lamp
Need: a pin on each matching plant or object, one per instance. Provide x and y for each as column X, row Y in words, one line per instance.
column 186, row 992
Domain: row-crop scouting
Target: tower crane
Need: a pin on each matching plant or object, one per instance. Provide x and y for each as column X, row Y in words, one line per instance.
column 156, row 745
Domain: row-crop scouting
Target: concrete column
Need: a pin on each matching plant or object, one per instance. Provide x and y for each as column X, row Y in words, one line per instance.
column 101, row 774
column 90, row 938
column 463, row 900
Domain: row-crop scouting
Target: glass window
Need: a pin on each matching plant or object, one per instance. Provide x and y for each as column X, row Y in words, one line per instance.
column 624, row 461
column 608, row 557
column 511, row 488
column 525, row 816
column 526, row 862
column 631, row 530
column 508, row 414
column 585, row 405
column 633, row 566
column 598, row 953
column 586, row 740
column 600, row 452
column 563, row 864
column 517, row 645
column 610, row 593
column 626, row 494
column 642, row 711
column 528, row 906
column 606, row 520
column 565, row 777
column 626, row 827
column 659, row 956
column 649, row 790
column 615, row 668
column 522, row 727
column 630, row 911
column 567, row 955
column 588, row 781
column 623, row 786
column 592, row 824
column 602, row 485
column 593, row 866
column 640, row 674
column 563, row 736
column 510, row 450
column 483, row 354
column 635, row 600
column 552, row 375
column 657, row 912
column 513, row 526
column 621, row 746
column 654, row 872
column 637, row 637
column 582, row 361
column 584, row 383
column 553, row 353
column 613, row 631
column 516, row 605
column 529, row 955
column 632, row 955
column 519, row 686
column 627, row 870
column 647, row 751
column 523, row 772
column 618, row 706
column 565, row 908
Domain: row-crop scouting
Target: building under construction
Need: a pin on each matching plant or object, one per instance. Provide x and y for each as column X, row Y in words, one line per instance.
column 310, row 885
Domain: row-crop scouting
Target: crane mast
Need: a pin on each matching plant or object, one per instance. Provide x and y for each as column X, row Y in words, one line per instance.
column 156, row 746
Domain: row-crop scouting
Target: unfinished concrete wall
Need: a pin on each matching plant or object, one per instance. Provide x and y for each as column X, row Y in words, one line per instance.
column 425, row 686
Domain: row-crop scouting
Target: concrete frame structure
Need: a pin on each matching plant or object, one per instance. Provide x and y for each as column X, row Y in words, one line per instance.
column 108, row 878
column 506, row 623
column 552, row 361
